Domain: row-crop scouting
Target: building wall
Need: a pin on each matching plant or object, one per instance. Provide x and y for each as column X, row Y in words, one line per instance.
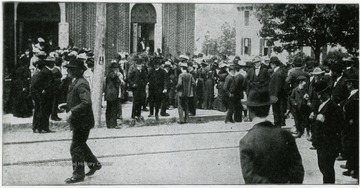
column 178, row 28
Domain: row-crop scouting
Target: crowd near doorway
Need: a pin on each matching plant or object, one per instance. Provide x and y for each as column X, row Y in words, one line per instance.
column 143, row 19
column 36, row 20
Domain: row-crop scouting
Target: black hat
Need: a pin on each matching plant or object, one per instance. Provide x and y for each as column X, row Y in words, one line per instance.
column 157, row 61
column 237, row 58
column 336, row 67
column 75, row 49
column 114, row 65
column 260, row 96
column 41, row 54
column 321, row 86
column 351, row 77
column 78, row 64
column 275, row 60
column 300, row 78
column 138, row 60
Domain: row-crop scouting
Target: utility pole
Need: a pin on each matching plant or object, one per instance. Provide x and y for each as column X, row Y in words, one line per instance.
column 99, row 67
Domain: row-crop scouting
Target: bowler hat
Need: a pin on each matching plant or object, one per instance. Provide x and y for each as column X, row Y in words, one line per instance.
column 86, row 50
column 82, row 56
column 352, row 77
column 138, row 60
column 237, row 58
column 50, row 59
column 157, row 61
column 275, row 60
column 114, row 65
column 75, row 49
column 321, row 86
column 317, row 71
column 336, row 67
column 300, row 78
column 41, row 54
column 77, row 64
column 260, row 96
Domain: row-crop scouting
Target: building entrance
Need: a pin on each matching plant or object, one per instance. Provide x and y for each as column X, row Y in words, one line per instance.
column 143, row 19
column 37, row 20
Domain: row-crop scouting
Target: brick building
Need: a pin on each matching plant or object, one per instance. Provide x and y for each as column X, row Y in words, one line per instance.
column 169, row 27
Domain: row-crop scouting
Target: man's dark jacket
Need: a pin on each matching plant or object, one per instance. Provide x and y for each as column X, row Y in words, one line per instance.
column 79, row 103
column 269, row 154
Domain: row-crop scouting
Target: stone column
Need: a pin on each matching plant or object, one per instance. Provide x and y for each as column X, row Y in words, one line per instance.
column 158, row 28
column 63, row 27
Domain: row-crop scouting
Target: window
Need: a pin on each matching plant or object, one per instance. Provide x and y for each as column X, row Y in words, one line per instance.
column 247, row 18
column 264, row 48
column 247, row 46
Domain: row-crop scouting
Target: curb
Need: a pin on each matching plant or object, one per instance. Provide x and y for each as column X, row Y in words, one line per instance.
column 128, row 122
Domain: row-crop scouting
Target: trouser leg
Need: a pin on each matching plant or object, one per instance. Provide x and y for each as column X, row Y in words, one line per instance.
column 326, row 160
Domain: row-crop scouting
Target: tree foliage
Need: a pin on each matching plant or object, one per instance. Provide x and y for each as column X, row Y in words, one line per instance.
column 225, row 44
column 314, row 25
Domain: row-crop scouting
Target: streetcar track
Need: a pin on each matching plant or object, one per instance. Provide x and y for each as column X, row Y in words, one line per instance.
column 33, row 163
column 122, row 137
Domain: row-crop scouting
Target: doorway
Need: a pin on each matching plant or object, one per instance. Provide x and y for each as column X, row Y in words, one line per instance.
column 143, row 19
column 37, row 20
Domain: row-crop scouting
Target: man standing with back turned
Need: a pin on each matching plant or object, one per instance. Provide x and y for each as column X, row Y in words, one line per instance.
column 268, row 154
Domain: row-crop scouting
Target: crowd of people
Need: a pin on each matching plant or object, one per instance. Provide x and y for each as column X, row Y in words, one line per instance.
column 321, row 97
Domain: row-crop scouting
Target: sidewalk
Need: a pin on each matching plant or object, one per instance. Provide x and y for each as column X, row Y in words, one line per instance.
column 11, row 123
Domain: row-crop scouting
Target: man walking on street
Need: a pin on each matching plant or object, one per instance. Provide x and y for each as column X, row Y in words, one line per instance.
column 81, row 119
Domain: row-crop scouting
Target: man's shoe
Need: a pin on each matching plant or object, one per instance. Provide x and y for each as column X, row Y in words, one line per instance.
column 166, row 114
column 48, row 131
column 145, row 109
column 181, row 122
column 150, row 115
column 117, row 127
column 340, row 158
column 74, row 180
column 343, row 166
column 92, row 171
column 348, row 173
column 56, row 119
column 157, row 117
column 355, row 176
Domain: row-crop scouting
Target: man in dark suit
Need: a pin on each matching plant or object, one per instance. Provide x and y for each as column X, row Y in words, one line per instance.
column 351, row 137
column 185, row 89
column 193, row 101
column 157, row 86
column 277, row 89
column 229, row 88
column 36, row 95
column 81, row 119
column 268, row 154
column 239, row 94
column 137, row 79
column 257, row 75
column 339, row 92
column 291, row 80
column 44, row 85
column 112, row 96
column 327, row 140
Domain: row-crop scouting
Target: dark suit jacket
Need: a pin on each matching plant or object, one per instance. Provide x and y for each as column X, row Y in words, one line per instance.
column 327, row 134
column 262, row 78
column 269, row 154
column 240, row 87
column 79, row 103
column 277, row 83
column 157, row 81
column 230, row 85
column 340, row 91
column 185, row 85
column 112, row 87
column 44, row 81
column 137, row 81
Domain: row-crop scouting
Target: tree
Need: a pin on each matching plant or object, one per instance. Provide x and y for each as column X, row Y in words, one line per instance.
column 225, row 44
column 299, row 25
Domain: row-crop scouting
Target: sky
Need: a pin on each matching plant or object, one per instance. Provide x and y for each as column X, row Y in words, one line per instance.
column 210, row 17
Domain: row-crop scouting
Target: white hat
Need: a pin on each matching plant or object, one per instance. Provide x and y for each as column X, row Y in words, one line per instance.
column 82, row 56
column 40, row 39
column 167, row 63
column 183, row 65
column 184, row 57
column 223, row 65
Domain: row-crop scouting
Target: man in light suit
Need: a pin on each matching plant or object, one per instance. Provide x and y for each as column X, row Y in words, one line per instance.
column 185, row 89
column 81, row 119
column 268, row 154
